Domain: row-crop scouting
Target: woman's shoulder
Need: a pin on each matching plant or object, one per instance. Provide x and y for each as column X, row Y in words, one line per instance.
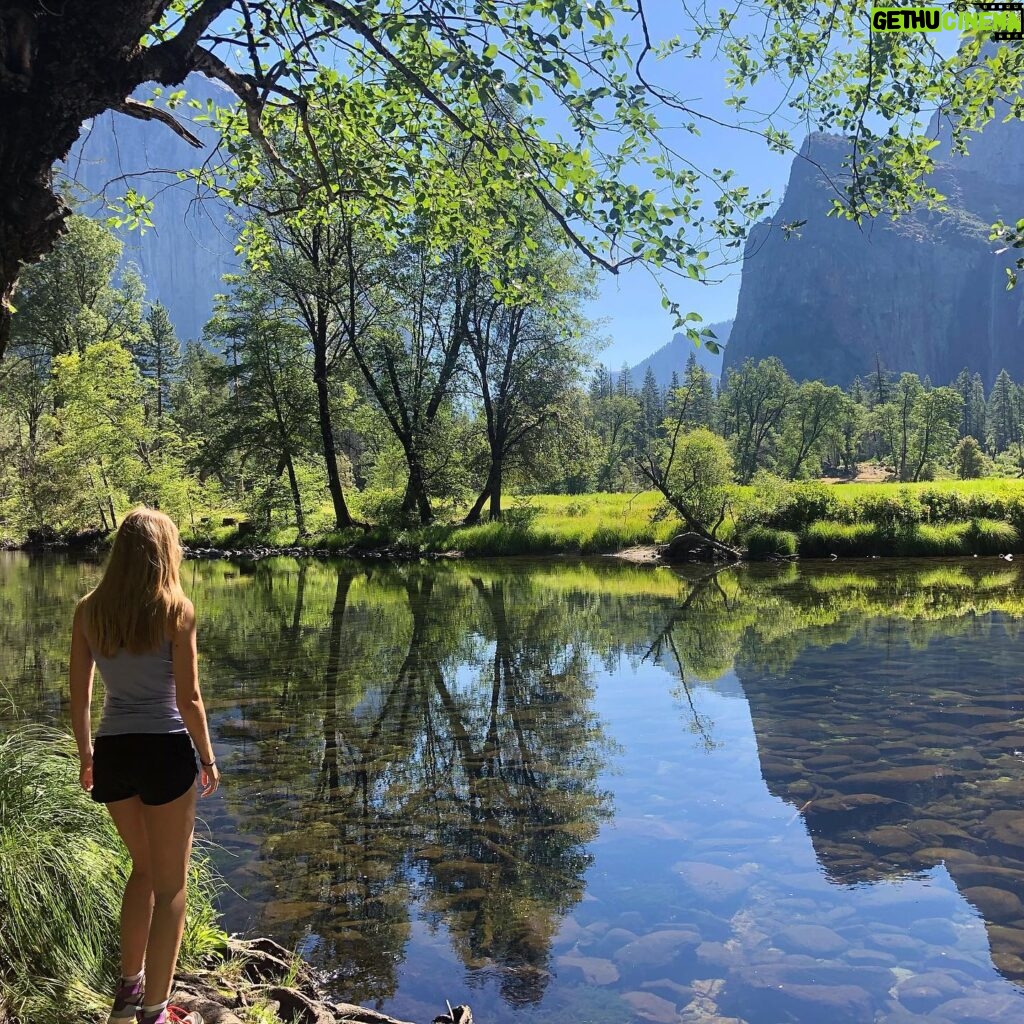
column 186, row 617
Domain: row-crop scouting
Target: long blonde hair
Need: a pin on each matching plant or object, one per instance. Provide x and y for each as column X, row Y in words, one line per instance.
column 139, row 600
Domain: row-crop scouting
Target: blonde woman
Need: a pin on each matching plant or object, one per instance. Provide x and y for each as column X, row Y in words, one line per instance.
column 139, row 629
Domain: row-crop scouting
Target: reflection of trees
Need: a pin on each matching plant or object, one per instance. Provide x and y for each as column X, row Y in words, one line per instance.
column 396, row 734
column 477, row 786
column 696, row 647
column 516, row 795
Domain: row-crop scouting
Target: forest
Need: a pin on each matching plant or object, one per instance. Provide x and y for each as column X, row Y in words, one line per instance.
column 337, row 387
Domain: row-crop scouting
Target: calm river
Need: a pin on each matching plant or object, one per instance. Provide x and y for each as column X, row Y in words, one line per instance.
column 586, row 792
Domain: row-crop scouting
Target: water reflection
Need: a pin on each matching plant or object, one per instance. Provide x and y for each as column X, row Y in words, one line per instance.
column 592, row 792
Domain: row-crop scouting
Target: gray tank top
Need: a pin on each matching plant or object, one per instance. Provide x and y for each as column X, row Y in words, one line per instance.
column 139, row 693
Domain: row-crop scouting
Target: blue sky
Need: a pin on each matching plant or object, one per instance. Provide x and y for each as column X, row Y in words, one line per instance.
column 636, row 324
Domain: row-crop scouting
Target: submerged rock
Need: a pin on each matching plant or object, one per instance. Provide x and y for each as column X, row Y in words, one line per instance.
column 648, row 1006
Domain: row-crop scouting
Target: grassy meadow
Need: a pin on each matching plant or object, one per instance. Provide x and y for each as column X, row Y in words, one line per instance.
column 811, row 519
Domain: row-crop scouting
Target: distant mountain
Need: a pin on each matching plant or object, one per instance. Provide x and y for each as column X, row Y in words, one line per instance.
column 183, row 258
column 923, row 294
column 674, row 355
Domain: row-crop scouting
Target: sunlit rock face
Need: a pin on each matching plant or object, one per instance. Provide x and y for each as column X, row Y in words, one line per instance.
column 925, row 293
column 184, row 257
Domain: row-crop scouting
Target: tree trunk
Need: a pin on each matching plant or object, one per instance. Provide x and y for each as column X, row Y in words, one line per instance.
column 416, row 499
column 110, row 499
column 496, row 481
column 49, row 86
column 473, row 516
column 342, row 518
column 293, row 483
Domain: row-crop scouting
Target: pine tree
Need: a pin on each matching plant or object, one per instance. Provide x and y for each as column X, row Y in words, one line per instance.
column 650, row 402
column 601, row 386
column 978, row 409
column 1002, row 413
column 158, row 356
column 962, row 385
column 881, row 385
column 624, row 382
column 700, row 393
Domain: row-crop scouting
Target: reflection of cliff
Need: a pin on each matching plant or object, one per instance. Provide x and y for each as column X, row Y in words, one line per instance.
column 924, row 770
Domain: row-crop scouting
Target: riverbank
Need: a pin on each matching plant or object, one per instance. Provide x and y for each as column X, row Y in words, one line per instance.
column 62, row 871
column 772, row 520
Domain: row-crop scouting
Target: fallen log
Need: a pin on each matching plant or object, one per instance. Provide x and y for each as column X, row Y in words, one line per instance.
column 693, row 547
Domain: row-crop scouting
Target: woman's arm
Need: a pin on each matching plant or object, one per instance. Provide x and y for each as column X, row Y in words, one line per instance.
column 190, row 700
column 80, row 676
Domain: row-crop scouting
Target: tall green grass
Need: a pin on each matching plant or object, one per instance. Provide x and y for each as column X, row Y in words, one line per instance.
column 62, row 873
column 876, row 519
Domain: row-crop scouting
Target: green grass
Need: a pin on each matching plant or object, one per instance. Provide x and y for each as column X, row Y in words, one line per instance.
column 824, row 538
column 948, row 517
column 62, row 872
column 763, row 541
column 560, row 524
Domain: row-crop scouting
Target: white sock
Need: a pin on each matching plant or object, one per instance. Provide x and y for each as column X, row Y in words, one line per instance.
column 155, row 1011
column 132, row 978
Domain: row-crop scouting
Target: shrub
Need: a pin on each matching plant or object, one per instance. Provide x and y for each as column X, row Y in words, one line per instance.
column 521, row 515
column 62, row 873
column 383, row 507
column 762, row 541
column 796, row 506
column 993, row 537
column 935, row 539
column 825, row 538
column 890, row 509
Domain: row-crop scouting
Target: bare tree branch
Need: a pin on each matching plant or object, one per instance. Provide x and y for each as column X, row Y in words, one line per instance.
column 145, row 112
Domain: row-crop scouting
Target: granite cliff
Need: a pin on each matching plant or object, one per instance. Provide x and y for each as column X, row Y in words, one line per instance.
column 925, row 293
column 183, row 258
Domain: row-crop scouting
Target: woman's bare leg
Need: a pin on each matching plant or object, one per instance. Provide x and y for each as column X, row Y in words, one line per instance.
column 169, row 829
column 137, row 903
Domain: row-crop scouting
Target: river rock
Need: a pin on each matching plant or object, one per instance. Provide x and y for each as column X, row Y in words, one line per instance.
column 983, row 1008
column 932, row 829
column 613, row 940
column 681, row 993
column 1007, row 938
column 570, row 933
column 714, row 883
column 648, row 1006
column 892, row 837
column 593, row 970
column 922, row 992
column 815, row 939
column 901, row 781
column 767, row 993
column 936, row 930
column 1005, row 826
column 657, row 949
column 995, row 904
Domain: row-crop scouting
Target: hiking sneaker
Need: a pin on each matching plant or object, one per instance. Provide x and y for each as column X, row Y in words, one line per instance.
column 172, row 1015
column 127, row 1001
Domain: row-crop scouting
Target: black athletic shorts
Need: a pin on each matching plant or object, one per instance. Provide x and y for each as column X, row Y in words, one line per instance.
column 156, row 767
